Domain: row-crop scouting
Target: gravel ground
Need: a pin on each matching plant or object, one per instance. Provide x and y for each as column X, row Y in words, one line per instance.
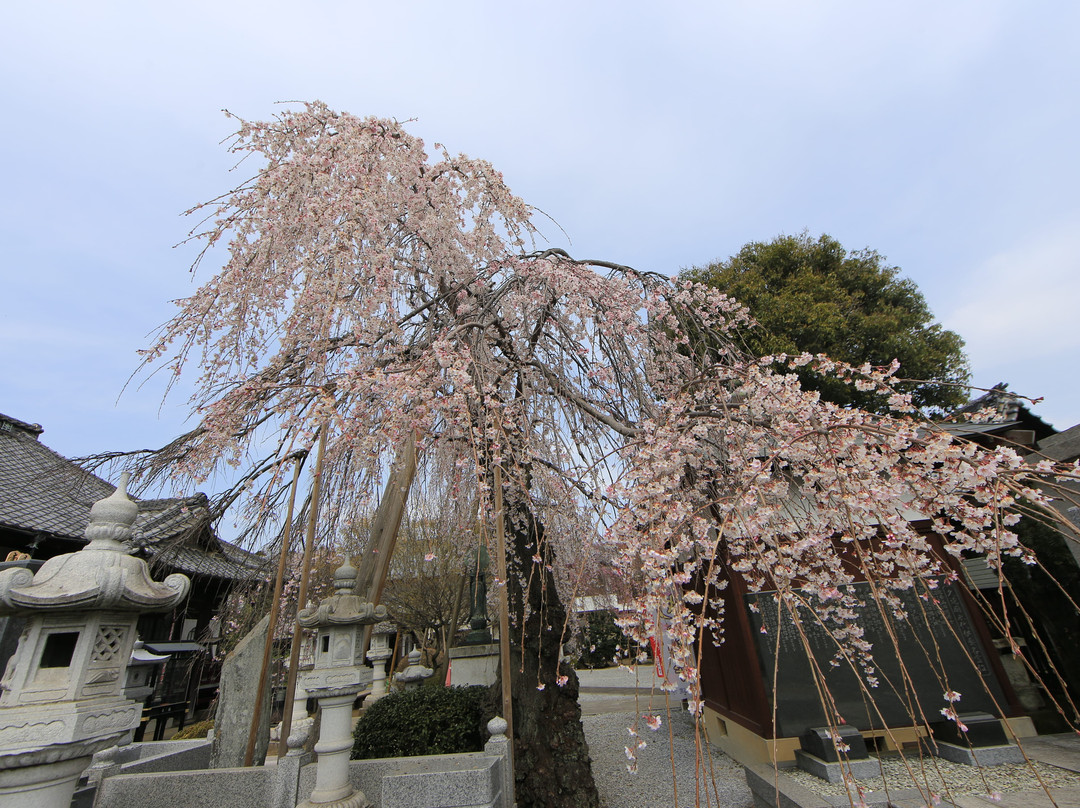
column 930, row 774
column 651, row 785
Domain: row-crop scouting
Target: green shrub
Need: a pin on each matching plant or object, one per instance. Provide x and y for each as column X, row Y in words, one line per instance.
column 425, row 721
column 601, row 641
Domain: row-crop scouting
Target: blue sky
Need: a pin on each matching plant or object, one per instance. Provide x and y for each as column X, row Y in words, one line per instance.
column 942, row 134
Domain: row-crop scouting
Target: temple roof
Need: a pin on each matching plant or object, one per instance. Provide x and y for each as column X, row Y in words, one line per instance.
column 44, row 493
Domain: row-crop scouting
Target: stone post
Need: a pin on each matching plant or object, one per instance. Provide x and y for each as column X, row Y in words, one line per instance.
column 499, row 744
column 335, row 680
column 61, row 697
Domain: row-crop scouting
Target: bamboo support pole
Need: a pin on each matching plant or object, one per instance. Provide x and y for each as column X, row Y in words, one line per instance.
column 309, row 541
column 275, row 607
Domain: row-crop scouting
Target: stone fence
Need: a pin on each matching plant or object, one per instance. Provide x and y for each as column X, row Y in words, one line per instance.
column 470, row 780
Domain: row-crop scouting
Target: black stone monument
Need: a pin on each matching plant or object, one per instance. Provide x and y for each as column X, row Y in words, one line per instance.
column 936, row 645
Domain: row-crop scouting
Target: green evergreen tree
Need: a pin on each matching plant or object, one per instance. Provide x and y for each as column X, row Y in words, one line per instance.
column 811, row 295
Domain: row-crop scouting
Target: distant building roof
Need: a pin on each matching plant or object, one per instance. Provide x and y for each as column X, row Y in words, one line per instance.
column 1013, row 418
column 43, row 493
column 1062, row 446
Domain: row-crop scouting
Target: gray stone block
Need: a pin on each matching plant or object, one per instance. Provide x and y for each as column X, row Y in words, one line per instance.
column 771, row 789
column 169, row 756
column 834, row 771
column 142, row 758
column 978, row 756
column 443, row 782
column 215, row 788
column 287, row 778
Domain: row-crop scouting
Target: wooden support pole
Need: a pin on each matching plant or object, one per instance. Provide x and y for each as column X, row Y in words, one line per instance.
column 275, row 607
column 375, row 566
column 301, row 598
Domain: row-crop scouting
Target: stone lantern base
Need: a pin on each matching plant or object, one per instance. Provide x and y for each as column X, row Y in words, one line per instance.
column 47, row 777
column 332, row 786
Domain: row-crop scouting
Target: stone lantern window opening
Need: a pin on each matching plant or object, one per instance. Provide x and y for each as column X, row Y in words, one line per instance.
column 59, row 649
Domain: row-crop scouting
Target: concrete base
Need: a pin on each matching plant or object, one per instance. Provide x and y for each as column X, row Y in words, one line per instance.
column 747, row 747
column 744, row 745
column 978, row 755
column 474, row 665
column 835, row 772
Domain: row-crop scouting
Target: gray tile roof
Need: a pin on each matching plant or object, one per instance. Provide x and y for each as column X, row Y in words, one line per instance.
column 1062, row 446
column 42, row 492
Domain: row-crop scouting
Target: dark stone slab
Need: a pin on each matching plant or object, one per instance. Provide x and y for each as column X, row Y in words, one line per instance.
column 819, row 742
column 937, row 646
column 977, row 756
column 982, row 730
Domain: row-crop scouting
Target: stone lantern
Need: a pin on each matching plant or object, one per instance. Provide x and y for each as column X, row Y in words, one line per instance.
column 378, row 653
column 335, row 680
column 413, row 675
column 61, row 697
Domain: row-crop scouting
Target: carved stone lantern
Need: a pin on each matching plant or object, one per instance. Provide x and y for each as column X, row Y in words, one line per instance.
column 335, row 680
column 413, row 676
column 378, row 653
column 61, row 697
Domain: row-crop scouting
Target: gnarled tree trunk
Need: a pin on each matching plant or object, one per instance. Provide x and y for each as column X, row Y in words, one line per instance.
column 551, row 757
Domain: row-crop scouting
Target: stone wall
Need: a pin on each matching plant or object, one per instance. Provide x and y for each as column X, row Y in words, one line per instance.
column 472, row 780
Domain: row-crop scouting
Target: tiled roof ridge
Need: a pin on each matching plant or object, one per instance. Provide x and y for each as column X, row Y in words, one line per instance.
column 39, row 446
column 152, row 510
column 198, row 498
column 22, row 426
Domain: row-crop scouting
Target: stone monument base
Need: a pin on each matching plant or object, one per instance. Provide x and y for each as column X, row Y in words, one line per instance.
column 834, row 771
column 474, row 665
column 978, row 755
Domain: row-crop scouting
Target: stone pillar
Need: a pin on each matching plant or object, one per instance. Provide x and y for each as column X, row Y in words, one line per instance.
column 61, row 697
column 287, row 772
column 499, row 744
column 332, row 786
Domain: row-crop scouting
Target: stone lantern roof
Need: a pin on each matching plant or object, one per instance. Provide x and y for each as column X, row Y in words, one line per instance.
column 344, row 607
column 101, row 576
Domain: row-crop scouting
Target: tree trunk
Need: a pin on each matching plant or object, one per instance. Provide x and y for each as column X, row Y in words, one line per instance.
column 551, row 758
